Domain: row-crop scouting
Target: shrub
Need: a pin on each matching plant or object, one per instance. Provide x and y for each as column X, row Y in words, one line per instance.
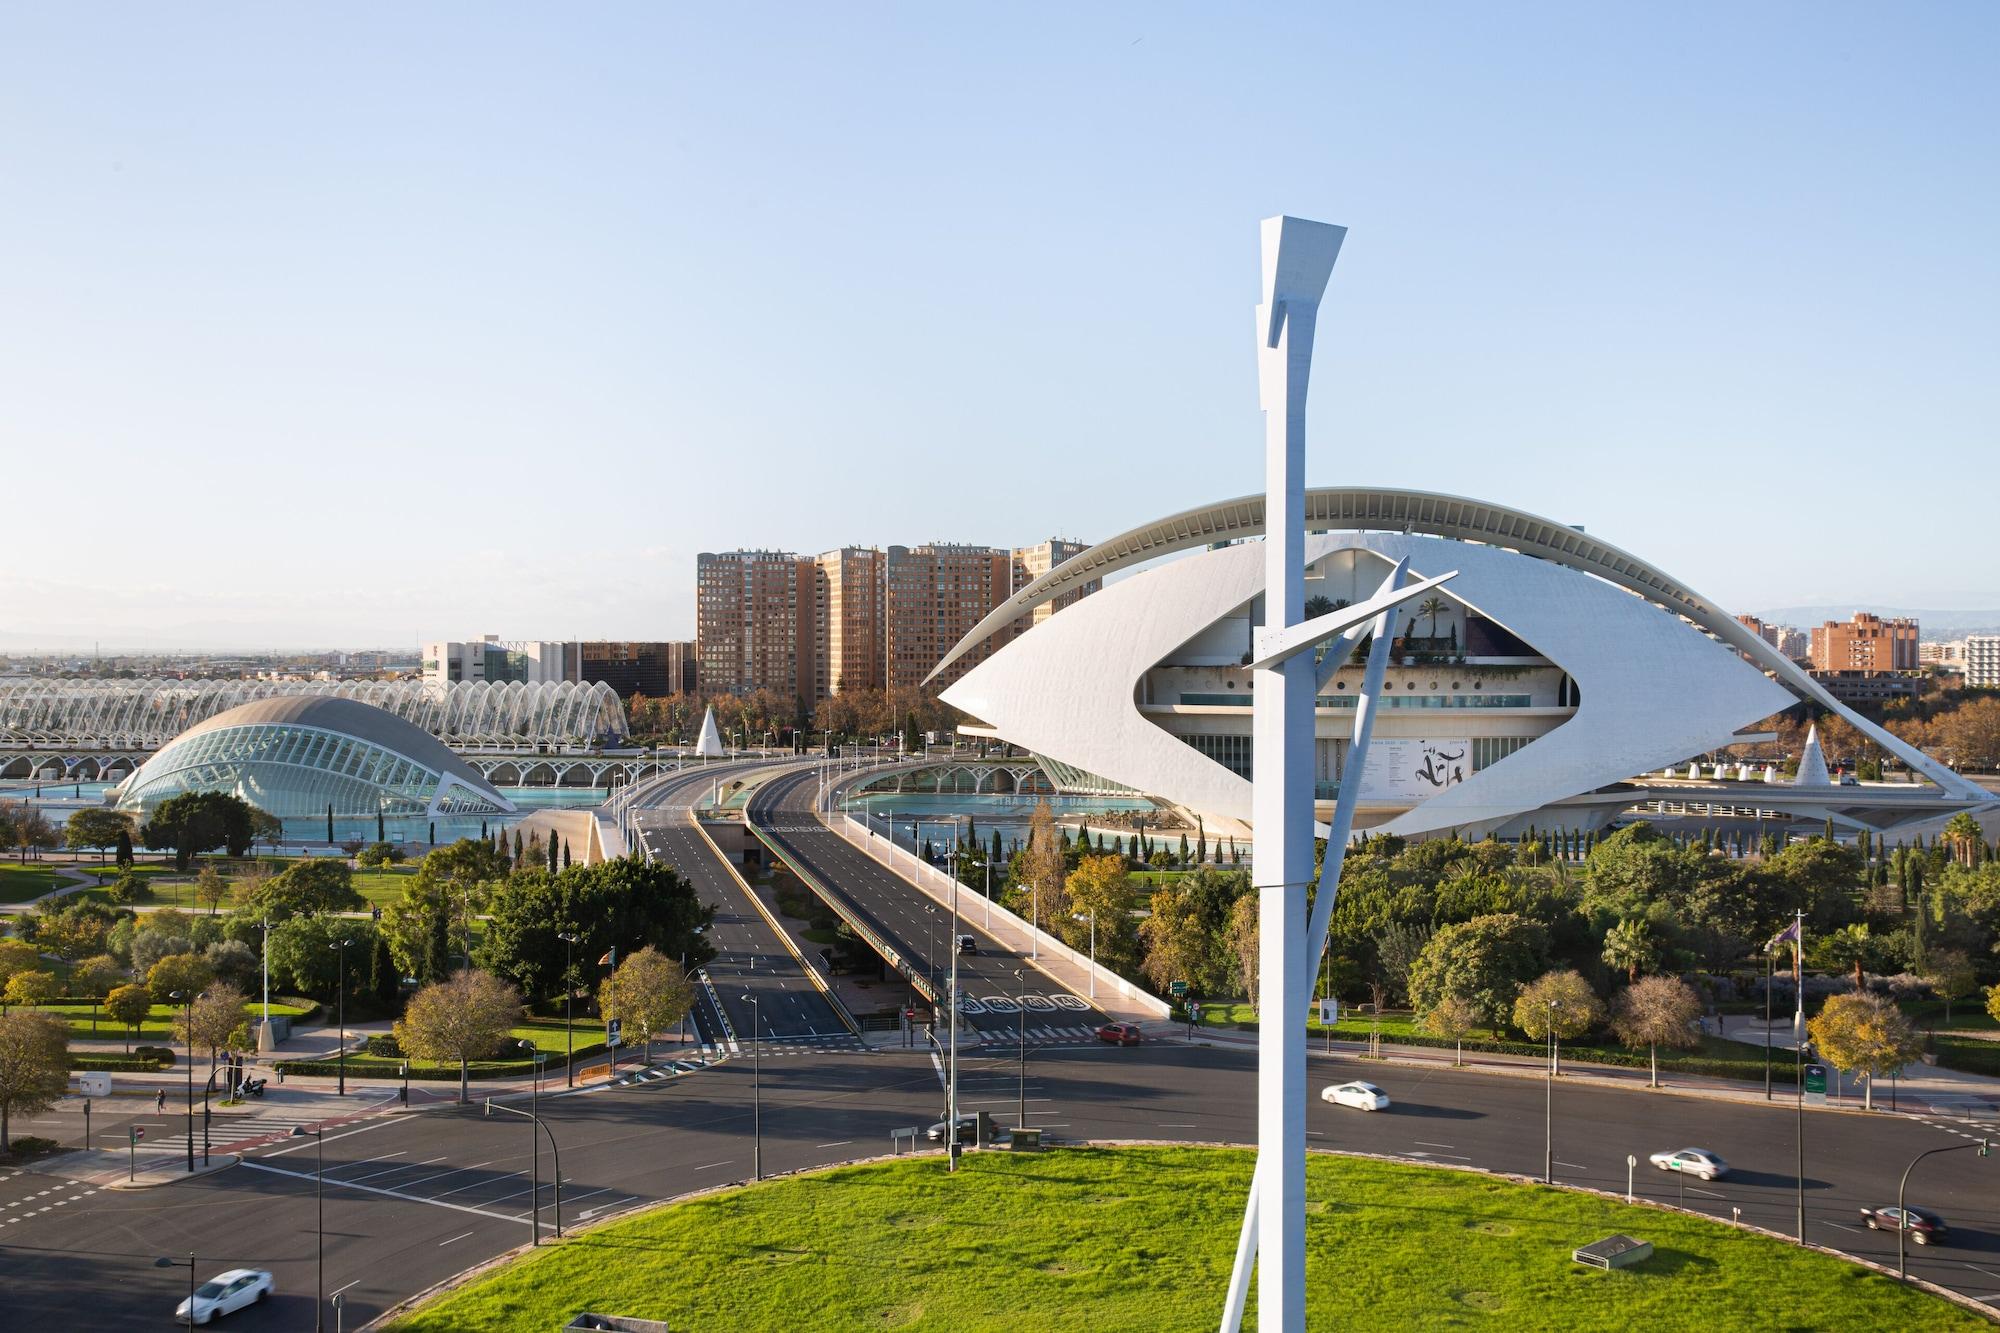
column 386, row 1046
column 130, row 888
column 31, row 1145
column 352, row 847
column 159, row 1055
column 379, row 854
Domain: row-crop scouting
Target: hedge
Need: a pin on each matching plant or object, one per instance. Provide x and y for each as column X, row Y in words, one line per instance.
column 128, row 1064
column 1969, row 1055
column 379, row 1068
column 1671, row 1062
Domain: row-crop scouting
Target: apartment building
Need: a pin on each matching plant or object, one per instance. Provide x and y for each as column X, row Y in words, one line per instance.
column 1982, row 661
column 755, row 620
column 1865, row 643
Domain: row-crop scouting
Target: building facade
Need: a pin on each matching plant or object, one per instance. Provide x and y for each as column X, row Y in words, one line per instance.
column 934, row 595
column 849, row 636
column 1032, row 562
column 527, row 661
column 1982, row 661
column 755, row 620
column 654, row 668
column 1865, row 643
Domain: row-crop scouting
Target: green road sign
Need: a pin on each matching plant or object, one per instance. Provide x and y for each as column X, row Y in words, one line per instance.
column 1816, row 1080
column 1176, row 988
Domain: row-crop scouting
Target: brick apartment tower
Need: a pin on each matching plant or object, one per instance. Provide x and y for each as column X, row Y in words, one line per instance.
column 1866, row 643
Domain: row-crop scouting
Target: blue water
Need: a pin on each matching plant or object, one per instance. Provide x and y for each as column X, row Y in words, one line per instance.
column 906, row 811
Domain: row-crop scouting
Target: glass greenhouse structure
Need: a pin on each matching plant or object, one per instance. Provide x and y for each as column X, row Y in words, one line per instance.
column 300, row 756
column 150, row 712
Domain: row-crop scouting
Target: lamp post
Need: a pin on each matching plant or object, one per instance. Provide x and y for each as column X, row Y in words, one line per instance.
column 187, row 1263
column 756, row 1087
column 1092, row 918
column 1549, row 1104
column 340, row 1008
column 1021, row 1048
column 318, row 1132
column 1770, row 975
column 186, row 1002
column 554, row 1151
column 569, row 993
column 1902, row 1214
column 534, row 1139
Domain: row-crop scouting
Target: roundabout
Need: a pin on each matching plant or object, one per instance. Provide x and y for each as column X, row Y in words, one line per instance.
column 1143, row 1236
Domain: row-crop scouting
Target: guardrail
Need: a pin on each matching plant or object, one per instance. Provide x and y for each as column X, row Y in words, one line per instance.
column 930, row 879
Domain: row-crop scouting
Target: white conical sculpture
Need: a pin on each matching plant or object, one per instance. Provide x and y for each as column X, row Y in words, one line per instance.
column 1694, row 773
column 1812, row 764
column 1743, row 772
column 1770, row 772
column 709, row 746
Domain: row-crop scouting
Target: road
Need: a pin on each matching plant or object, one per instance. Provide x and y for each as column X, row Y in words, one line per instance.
column 751, row 962
column 918, row 928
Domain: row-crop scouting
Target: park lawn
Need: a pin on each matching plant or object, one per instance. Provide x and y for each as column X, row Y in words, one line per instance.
column 20, row 881
column 383, row 887
column 1122, row 1238
column 157, row 1027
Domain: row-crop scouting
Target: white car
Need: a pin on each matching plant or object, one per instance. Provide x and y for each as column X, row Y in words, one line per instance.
column 1691, row 1161
column 1360, row 1096
column 226, row 1293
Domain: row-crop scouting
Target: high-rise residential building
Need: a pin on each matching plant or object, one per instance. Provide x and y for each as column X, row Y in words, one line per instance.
column 1865, row 643
column 1792, row 643
column 530, row 661
column 935, row 595
column 1768, row 633
column 755, row 619
column 850, row 647
column 655, row 669
column 1982, row 661
column 1031, row 562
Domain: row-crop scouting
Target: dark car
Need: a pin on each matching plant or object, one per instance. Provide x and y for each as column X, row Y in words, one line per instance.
column 967, row 944
column 1923, row 1225
column 968, row 1130
column 1119, row 1034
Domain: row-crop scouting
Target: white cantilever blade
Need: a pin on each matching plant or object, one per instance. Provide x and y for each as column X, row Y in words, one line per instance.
column 1273, row 647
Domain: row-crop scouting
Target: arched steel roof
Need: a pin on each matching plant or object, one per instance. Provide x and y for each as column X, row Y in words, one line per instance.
column 1381, row 509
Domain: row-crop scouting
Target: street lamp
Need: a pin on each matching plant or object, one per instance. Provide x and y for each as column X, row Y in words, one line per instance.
column 1092, row 918
column 1021, row 1068
column 340, row 1008
column 187, row 1263
column 1902, row 1213
column 756, row 1088
column 186, row 1002
column 554, row 1151
column 1549, row 1104
column 318, row 1132
column 569, row 993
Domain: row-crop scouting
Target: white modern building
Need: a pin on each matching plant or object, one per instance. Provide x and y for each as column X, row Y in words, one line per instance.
column 1982, row 661
column 527, row 661
column 1534, row 689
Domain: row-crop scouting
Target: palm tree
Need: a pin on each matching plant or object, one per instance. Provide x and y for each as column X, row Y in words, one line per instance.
column 1433, row 607
column 1848, row 947
column 1629, row 945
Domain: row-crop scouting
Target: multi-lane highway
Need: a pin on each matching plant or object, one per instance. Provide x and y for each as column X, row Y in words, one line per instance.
column 990, row 980
column 751, row 962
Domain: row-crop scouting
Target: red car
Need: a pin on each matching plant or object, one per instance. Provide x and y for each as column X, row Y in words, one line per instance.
column 1119, row 1034
column 1923, row 1225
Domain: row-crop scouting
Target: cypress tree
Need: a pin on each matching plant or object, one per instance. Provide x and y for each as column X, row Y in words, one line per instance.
column 1121, row 844
column 566, row 854
column 1829, row 829
column 519, row 846
column 554, row 852
column 381, row 833
column 1201, row 847
column 482, row 831
column 434, row 833
column 1184, row 849
column 124, row 849
column 997, row 858
column 437, row 950
column 329, row 823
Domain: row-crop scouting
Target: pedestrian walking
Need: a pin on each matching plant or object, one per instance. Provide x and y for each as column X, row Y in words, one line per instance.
column 160, row 1103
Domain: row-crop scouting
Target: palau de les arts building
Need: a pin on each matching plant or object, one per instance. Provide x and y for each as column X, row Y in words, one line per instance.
column 1549, row 677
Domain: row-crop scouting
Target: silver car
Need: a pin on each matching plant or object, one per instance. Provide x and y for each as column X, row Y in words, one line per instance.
column 226, row 1293
column 1692, row 1162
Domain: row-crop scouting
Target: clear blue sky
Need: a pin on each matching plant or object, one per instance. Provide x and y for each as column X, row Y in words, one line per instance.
column 342, row 324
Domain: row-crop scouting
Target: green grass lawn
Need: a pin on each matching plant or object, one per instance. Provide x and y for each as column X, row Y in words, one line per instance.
column 21, row 881
column 382, row 887
column 156, row 1029
column 1142, row 1238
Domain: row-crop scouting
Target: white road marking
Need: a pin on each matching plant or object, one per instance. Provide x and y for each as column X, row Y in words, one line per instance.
column 1574, row 1166
column 337, row 1290
column 453, row 1240
column 842, row 1144
column 1710, row 1193
column 712, row 1165
column 1977, row 1269
column 1843, row 1226
column 1428, row 1144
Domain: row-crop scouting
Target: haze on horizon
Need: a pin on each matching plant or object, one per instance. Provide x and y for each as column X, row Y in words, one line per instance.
column 342, row 326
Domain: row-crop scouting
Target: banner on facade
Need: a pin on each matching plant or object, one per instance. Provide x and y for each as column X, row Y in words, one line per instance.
column 1405, row 770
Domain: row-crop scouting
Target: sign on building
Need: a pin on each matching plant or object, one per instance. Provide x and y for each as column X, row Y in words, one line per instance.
column 1401, row 769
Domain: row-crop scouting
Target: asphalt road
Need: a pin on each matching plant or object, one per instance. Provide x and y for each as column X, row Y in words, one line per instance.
column 751, row 961
column 914, row 925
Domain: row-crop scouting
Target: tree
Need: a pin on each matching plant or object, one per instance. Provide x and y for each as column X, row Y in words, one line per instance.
column 624, row 902
column 198, row 821
column 129, row 1006
column 1245, row 944
column 96, row 828
column 1174, row 938
column 1842, row 949
column 1484, row 961
column 31, row 988
column 182, row 972
column 1965, row 838
column 306, row 957
column 210, row 888
column 463, row 1019
column 267, row 828
column 96, row 976
column 1100, row 891
column 1559, row 1002
column 306, row 888
column 124, row 857
column 1951, row 977
column 26, row 827
column 1451, row 1018
column 1629, row 948
column 17, row 956
column 1865, row 1034
column 1432, row 607
column 1657, row 1011
column 212, row 1020
column 1042, row 865
column 34, row 1066
column 1397, row 948
column 649, row 990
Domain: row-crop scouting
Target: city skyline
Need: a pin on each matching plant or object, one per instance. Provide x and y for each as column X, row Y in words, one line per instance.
column 471, row 351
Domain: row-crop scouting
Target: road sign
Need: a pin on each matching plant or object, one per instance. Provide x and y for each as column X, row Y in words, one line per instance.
column 1329, row 1011
column 612, row 1030
column 1177, row 988
column 1816, row 1083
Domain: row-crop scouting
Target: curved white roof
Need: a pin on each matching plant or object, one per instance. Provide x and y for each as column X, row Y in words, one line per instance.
column 1382, row 509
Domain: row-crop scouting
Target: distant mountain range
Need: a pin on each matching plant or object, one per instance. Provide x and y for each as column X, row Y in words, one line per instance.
column 1931, row 624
